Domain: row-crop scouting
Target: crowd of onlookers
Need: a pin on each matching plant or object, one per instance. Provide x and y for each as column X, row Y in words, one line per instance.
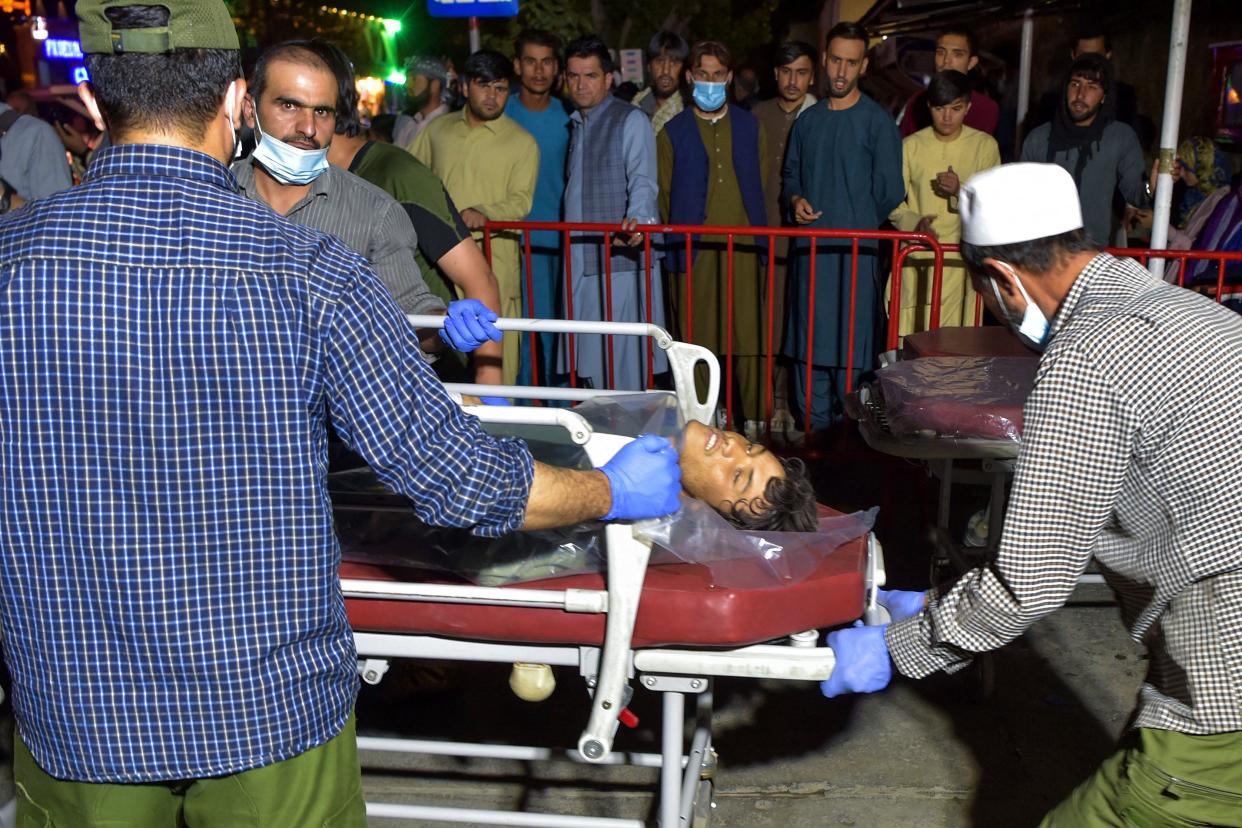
column 549, row 133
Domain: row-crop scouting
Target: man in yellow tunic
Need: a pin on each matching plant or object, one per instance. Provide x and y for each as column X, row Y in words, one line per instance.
column 935, row 161
column 488, row 165
column 710, row 172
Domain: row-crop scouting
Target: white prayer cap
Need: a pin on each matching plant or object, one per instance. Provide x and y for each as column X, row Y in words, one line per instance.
column 1018, row 202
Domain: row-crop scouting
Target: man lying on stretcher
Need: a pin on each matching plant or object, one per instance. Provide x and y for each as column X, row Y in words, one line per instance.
column 748, row 485
column 743, row 481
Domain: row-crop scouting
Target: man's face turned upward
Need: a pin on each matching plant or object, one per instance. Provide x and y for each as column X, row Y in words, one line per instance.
column 845, row 61
column 721, row 467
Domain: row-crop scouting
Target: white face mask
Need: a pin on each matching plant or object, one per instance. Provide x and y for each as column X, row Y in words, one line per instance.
column 1032, row 328
column 287, row 164
column 229, row 102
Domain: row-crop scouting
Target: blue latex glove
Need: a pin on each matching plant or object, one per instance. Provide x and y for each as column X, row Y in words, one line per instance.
column 863, row 664
column 645, row 479
column 901, row 603
column 494, row 401
column 468, row 324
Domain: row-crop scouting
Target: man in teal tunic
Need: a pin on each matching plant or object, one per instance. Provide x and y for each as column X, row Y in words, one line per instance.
column 545, row 115
column 842, row 171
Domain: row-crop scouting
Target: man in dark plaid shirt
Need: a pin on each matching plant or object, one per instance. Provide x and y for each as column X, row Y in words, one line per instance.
column 172, row 352
column 1131, row 454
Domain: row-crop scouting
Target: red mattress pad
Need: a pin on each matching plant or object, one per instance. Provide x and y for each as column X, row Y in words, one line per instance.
column 681, row 605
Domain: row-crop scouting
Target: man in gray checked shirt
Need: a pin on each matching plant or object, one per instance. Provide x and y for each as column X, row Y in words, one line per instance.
column 1131, row 454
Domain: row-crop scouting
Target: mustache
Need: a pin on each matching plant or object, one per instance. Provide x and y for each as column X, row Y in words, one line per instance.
column 304, row 139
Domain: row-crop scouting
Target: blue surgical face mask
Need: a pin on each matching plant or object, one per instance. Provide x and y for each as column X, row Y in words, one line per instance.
column 287, row 164
column 709, row 96
column 1032, row 328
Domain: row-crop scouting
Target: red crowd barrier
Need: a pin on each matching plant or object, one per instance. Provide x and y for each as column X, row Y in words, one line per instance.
column 1143, row 255
column 902, row 245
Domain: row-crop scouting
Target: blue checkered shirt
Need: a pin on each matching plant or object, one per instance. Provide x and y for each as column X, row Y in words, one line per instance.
column 168, row 569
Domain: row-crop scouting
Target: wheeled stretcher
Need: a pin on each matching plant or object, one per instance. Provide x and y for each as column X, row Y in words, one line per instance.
column 955, row 398
column 669, row 628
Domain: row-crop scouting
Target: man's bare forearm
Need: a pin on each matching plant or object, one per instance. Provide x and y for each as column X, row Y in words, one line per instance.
column 562, row 497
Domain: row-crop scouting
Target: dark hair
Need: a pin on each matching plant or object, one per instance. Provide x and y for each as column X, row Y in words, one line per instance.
column 1093, row 67
column 947, row 87
column 487, row 66
column 303, row 52
column 1091, row 31
column 1037, row 256
column 381, row 126
column 590, row 46
column 847, row 31
column 709, row 47
column 968, row 34
column 789, row 503
column 537, row 37
column 626, row 91
column 791, row 50
column 669, row 43
column 177, row 92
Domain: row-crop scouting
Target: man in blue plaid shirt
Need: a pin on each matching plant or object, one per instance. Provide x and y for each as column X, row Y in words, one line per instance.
column 172, row 353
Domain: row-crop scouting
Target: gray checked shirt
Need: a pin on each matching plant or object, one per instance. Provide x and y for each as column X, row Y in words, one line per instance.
column 1131, row 454
column 368, row 220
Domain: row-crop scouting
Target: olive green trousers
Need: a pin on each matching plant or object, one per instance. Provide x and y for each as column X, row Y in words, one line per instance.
column 321, row 788
column 1159, row 778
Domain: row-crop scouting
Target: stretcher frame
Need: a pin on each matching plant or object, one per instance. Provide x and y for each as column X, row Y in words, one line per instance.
column 997, row 459
column 685, row 784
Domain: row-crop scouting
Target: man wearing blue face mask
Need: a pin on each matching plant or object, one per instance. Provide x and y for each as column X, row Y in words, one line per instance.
column 1130, row 455
column 710, row 172
column 292, row 107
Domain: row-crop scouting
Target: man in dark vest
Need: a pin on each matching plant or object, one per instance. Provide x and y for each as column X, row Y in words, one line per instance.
column 611, row 180
column 710, row 173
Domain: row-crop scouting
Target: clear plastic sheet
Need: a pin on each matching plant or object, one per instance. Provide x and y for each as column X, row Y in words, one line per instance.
column 960, row 397
column 376, row 526
column 737, row 558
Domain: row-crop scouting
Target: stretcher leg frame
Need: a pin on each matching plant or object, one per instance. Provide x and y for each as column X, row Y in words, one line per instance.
column 627, row 568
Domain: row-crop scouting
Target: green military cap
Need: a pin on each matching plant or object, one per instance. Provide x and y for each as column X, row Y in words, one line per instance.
column 192, row 24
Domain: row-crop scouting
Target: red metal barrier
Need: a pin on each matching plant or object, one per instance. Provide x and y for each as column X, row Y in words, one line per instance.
column 902, row 245
column 1143, row 255
column 770, row 234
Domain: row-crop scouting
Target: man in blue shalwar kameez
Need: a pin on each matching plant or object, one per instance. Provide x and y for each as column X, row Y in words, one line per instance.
column 842, row 171
column 542, row 113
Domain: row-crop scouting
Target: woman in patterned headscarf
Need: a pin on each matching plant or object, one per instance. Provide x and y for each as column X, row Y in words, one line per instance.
column 1202, row 175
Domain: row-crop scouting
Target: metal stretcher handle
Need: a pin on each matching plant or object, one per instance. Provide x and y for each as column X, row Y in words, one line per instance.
column 683, row 357
column 579, row 429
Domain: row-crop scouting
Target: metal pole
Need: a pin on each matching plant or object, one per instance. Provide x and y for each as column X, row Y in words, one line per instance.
column 1168, row 131
column 475, row 45
column 1024, row 74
